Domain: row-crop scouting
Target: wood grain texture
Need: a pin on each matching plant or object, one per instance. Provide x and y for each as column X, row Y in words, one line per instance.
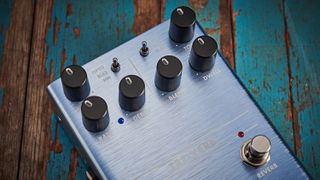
column 303, row 43
column 227, row 41
column 16, row 29
column 35, row 145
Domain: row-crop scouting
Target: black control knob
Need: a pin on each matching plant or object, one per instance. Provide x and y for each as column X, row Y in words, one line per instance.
column 95, row 115
column 182, row 23
column 131, row 93
column 203, row 53
column 168, row 73
column 75, row 83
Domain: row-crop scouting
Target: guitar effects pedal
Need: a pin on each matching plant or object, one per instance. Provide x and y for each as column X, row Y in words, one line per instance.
column 165, row 105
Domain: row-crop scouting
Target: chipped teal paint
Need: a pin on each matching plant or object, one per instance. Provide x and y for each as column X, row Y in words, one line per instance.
column 103, row 25
column 304, row 28
column 208, row 16
column 1, row 96
column 261, row 60
column 58, row 164
column 5, row 14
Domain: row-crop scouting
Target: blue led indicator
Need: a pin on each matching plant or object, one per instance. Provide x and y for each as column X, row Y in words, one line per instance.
column 121, row 120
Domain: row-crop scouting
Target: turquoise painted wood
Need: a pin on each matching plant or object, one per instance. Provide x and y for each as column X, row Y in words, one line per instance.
column 303, row 19
column 261, row 60
column 277, row 58
column 5, row 12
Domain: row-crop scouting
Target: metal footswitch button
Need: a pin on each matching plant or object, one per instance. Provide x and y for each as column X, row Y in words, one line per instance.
column 255, row 151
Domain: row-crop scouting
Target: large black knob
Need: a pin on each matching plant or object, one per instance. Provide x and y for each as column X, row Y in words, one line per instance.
column 75, row 83
column 168, row 73
column 131, row 93
column 182, row 23
column 203, row 53
column 95, row 115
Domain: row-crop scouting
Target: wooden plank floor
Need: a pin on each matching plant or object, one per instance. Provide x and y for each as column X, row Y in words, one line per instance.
column 273, row 45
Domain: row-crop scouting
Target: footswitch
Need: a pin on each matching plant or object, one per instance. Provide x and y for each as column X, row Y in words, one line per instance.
column 175, row 110
column 255, row 151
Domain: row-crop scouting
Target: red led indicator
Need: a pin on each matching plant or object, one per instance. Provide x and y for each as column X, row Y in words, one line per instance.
column 240, row 134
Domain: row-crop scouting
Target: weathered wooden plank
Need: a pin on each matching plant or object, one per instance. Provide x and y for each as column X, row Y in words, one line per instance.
column 15, row 35
column 227, row 45
column 303, row 44
column 35, row 145
column 261, row 62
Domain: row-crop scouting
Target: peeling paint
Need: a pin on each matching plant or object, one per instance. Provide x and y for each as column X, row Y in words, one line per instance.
column 227, row 28
column 211, row 31
column 63, row 59
column 69, row 10
column 147, row 15
column 292, row 113
column 198, row 4
column 74, row 59
column 55, row 31
column 73, row 164
column 76, row 32
column 56, row 146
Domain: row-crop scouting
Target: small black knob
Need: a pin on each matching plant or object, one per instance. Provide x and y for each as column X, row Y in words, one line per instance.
column 131, row 93
column 182, row 23
column 203, row 53
column 168, row 73
column 75, row 83
column 95, row 115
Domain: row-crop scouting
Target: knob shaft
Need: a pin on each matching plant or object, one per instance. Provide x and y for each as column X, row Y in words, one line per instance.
column 75, row 83
column 182, row 24
column 95, row 115
column 203, row 53
column 131, row 93
column 168, row 73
